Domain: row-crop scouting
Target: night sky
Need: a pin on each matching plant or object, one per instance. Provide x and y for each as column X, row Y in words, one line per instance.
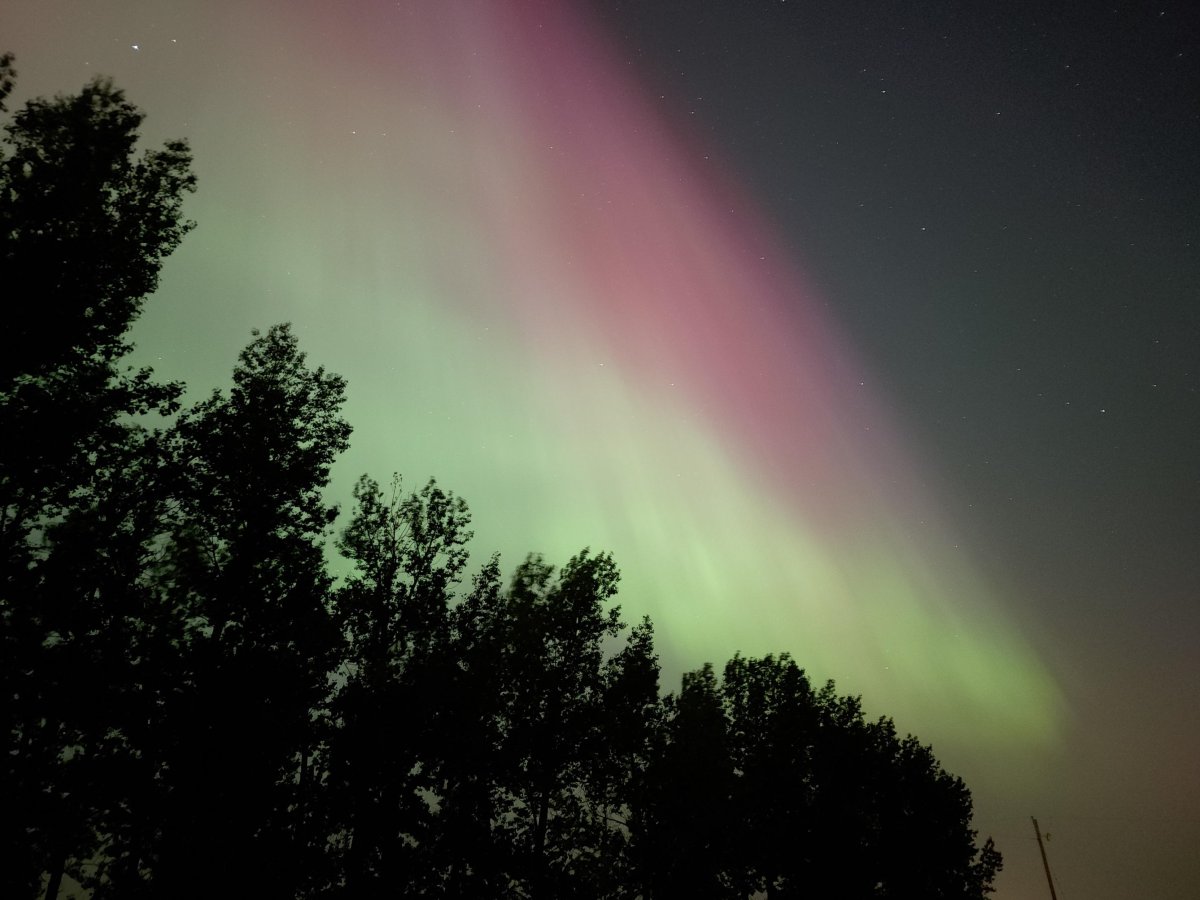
column 865, row 331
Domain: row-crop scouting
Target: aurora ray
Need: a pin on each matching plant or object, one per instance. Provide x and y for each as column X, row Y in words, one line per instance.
column 568, row 310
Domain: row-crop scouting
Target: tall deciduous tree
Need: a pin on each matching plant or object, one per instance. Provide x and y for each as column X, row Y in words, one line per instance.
column 686, row 835
column 767, row 785
column 245, row 570
column 84, row 227
column 564, row 726
column 381, row 755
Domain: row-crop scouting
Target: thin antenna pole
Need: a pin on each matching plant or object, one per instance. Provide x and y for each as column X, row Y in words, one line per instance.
column 1045, row 864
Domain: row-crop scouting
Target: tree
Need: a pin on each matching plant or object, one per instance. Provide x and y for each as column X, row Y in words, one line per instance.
column 8, row 76
column 766, row 785
column 556, row 729
column 84, row 227
column 632, row 737
column 382, row 752
column 408, row 553
column 244, row 570
column 687, row 837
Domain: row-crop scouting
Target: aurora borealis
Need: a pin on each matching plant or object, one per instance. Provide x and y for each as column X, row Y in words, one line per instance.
column 557, row 291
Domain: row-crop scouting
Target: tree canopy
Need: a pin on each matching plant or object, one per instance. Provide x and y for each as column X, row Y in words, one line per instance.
column 194, row 705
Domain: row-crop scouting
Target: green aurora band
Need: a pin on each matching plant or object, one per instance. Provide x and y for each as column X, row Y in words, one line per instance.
column 570, row 313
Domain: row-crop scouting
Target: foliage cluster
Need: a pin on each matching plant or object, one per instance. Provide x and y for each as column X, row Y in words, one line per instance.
column 194, row 706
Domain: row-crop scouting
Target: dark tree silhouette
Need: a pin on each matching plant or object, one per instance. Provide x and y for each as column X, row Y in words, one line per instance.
column 381, row 756
column 768, row 786
column 8, row 76
column 559, row 727
column 84, row 227
column 244, row 568
column 686, row 836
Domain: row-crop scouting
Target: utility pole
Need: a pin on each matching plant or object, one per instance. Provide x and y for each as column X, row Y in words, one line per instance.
column 1045, row 864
